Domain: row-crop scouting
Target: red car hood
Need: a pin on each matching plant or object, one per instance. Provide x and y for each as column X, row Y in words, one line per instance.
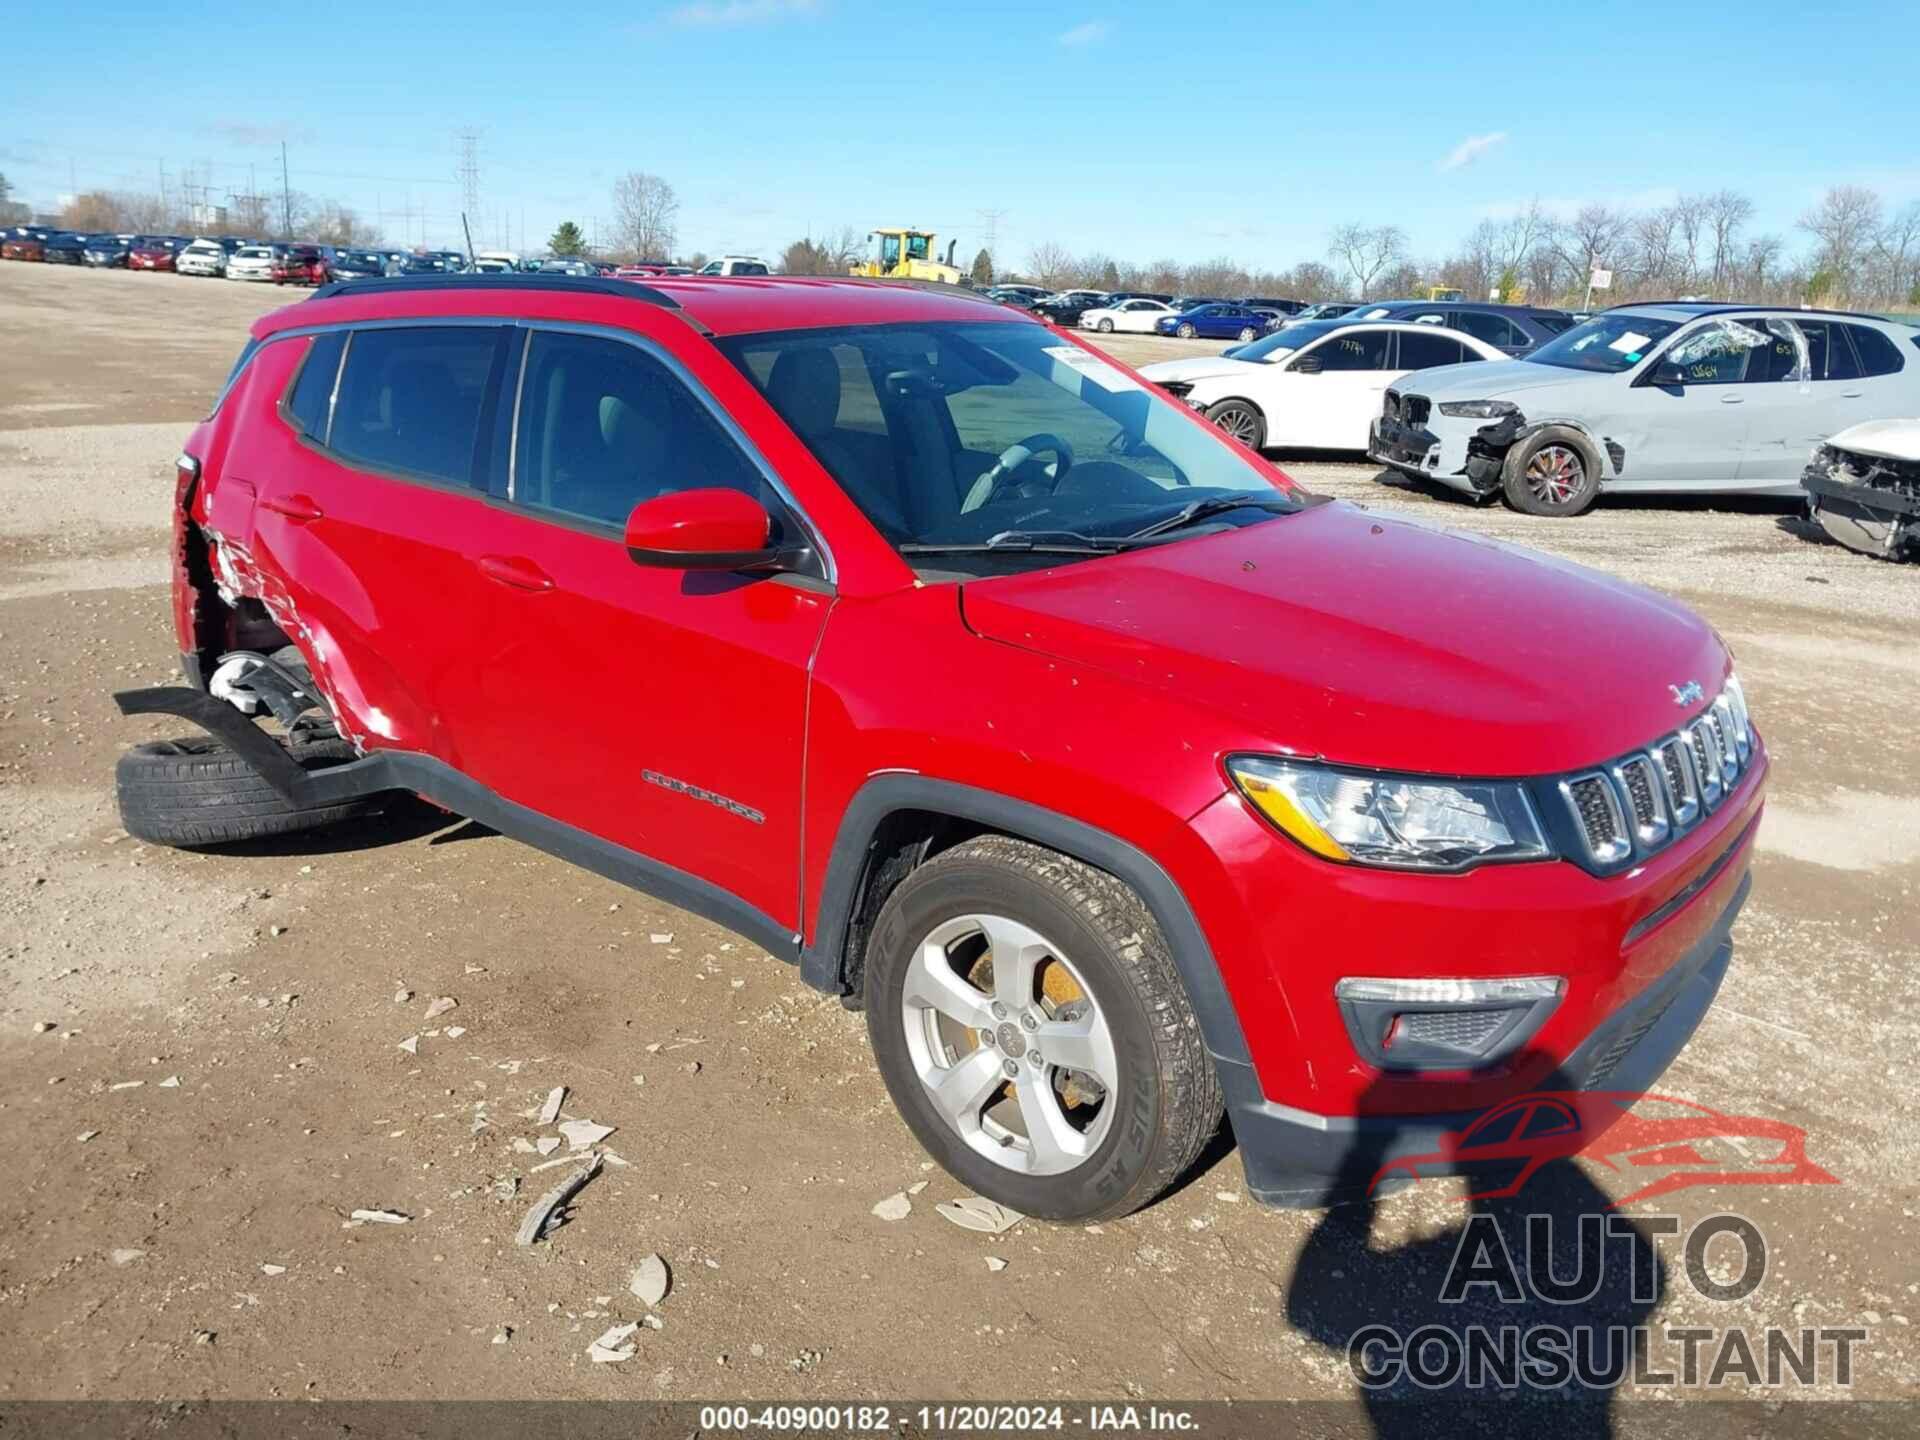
column 1375, row 642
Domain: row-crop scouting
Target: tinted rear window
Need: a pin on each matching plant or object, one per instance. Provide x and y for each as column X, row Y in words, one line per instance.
column 411, row 399
column 314, row 389
column 1877, row 353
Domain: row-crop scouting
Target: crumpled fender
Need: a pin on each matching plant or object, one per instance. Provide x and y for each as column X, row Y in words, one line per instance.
column 1612, row 454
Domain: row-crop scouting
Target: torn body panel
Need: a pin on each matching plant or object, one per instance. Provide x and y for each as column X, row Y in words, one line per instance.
column 1863, row 488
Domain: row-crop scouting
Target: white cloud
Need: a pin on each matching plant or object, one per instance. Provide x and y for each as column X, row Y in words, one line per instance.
column 1471, row 149
column 1091, row 33
column 729, row 14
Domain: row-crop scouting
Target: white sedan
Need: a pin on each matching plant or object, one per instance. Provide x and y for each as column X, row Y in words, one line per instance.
column 202, row 257
column 251, row 262
column 1129, row 317
column 1316, row 386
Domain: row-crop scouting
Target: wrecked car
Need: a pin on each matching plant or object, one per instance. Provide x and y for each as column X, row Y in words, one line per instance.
column 1120, row 782
column 1651, row 399
column 1863, row 488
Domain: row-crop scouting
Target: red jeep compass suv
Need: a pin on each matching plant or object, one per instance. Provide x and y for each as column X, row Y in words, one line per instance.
column 1117, row 778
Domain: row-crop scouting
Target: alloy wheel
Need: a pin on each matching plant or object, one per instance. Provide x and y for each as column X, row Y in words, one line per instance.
column 1187, row 332
column 1556, row 474
column 1010, row 1043
column 1239, row 421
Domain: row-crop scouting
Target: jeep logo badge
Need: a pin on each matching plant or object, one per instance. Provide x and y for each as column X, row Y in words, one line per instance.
column 1688, row 693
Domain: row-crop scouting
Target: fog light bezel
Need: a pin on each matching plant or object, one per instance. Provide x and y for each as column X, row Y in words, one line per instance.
column 1370, row 1007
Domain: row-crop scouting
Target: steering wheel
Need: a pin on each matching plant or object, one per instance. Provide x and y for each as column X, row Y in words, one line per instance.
column 982, row 491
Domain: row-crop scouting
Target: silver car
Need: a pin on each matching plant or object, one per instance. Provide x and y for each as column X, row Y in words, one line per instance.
column 1652, row 399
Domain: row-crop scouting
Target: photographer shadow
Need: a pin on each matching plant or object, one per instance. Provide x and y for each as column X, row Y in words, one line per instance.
column 1364, row 1301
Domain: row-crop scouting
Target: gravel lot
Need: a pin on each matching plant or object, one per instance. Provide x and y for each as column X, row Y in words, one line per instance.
column 193, row 1238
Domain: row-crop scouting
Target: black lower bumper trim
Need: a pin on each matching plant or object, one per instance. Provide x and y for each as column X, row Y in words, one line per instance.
column 1871, row 497
column 1297, row 1160
column 1403, row 445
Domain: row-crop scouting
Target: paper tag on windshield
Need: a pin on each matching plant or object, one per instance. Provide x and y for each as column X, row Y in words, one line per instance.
column 1632, row 340
column 1091, row 366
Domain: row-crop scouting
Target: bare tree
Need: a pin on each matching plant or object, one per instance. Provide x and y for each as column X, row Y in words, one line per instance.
column 1727, row 212
column 1364, row 251
column 1844, row 224
column 1053, row 265
column 1592, row 239
column 644, row 212
column 1310, row 280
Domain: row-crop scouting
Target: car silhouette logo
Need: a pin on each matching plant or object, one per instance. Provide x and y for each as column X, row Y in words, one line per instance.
column 1672, row 1145
column 1688, row 693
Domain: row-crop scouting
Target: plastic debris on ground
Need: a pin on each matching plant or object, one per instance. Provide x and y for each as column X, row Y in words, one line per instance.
column 972, row 1212
column 545, row 1216
column 650, row 1281
column 612, row 1345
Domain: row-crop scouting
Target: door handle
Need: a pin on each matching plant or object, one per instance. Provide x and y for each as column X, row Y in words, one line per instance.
column 511, row 570
column 1732, row 399
column 296, row 507
column 1851, row 394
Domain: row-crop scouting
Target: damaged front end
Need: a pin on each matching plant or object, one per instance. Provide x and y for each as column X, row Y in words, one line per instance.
column 1868, row 502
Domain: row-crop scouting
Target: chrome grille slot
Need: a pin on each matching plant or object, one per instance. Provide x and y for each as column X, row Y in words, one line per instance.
column 1683, row 795
column 1645, row 800
column 1706, row 761
column 1735, row 741
column 1602, row 825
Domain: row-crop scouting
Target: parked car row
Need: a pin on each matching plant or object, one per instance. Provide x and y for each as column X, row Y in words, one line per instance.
column 1547, row 414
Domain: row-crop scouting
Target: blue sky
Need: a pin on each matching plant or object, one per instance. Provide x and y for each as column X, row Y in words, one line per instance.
column 1137, row 129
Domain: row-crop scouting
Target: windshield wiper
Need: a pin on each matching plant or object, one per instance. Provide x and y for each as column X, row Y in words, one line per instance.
column 1031, row 542
column 1206, row 509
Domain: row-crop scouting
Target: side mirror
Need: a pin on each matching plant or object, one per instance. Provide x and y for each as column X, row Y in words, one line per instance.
column 1667, row 372
column 710, row 529
column 1306, row 365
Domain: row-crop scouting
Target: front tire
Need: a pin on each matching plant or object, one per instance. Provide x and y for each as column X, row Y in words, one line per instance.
column 1242, row 420
column 1187, row 332
column 1106, row 327
column 1553, row 472
column 1247, row 332
column 1029, row 1021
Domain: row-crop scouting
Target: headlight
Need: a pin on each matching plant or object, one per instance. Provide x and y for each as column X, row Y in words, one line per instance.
column 1478, row 409
column 1398, row 822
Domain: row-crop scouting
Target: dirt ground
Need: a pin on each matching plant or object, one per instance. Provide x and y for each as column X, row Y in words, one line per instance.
column 223, row 1081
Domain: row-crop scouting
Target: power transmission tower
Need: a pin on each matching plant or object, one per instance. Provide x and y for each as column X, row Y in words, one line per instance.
column 470, row 170
column 990, row 220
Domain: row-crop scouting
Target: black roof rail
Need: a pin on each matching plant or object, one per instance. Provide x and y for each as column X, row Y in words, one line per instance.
column 564, row 284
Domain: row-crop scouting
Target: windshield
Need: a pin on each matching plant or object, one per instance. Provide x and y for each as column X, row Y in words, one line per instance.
column 1608, row 343
column 1280, row 343
column 358, row 262
column 996, row 435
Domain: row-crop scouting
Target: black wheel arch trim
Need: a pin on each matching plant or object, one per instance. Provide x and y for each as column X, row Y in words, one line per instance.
column 823, row 963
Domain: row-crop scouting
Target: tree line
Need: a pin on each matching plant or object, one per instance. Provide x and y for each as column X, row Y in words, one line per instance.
column 1850, row 249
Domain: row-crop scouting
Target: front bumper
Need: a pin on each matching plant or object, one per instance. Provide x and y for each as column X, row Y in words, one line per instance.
column 1294, row 1159
column 1439, row 450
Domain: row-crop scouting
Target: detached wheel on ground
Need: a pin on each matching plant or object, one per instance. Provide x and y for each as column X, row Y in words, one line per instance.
column 1032, row 1028
column 197, row 792
column 1552, row 472
column 1241, row 419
